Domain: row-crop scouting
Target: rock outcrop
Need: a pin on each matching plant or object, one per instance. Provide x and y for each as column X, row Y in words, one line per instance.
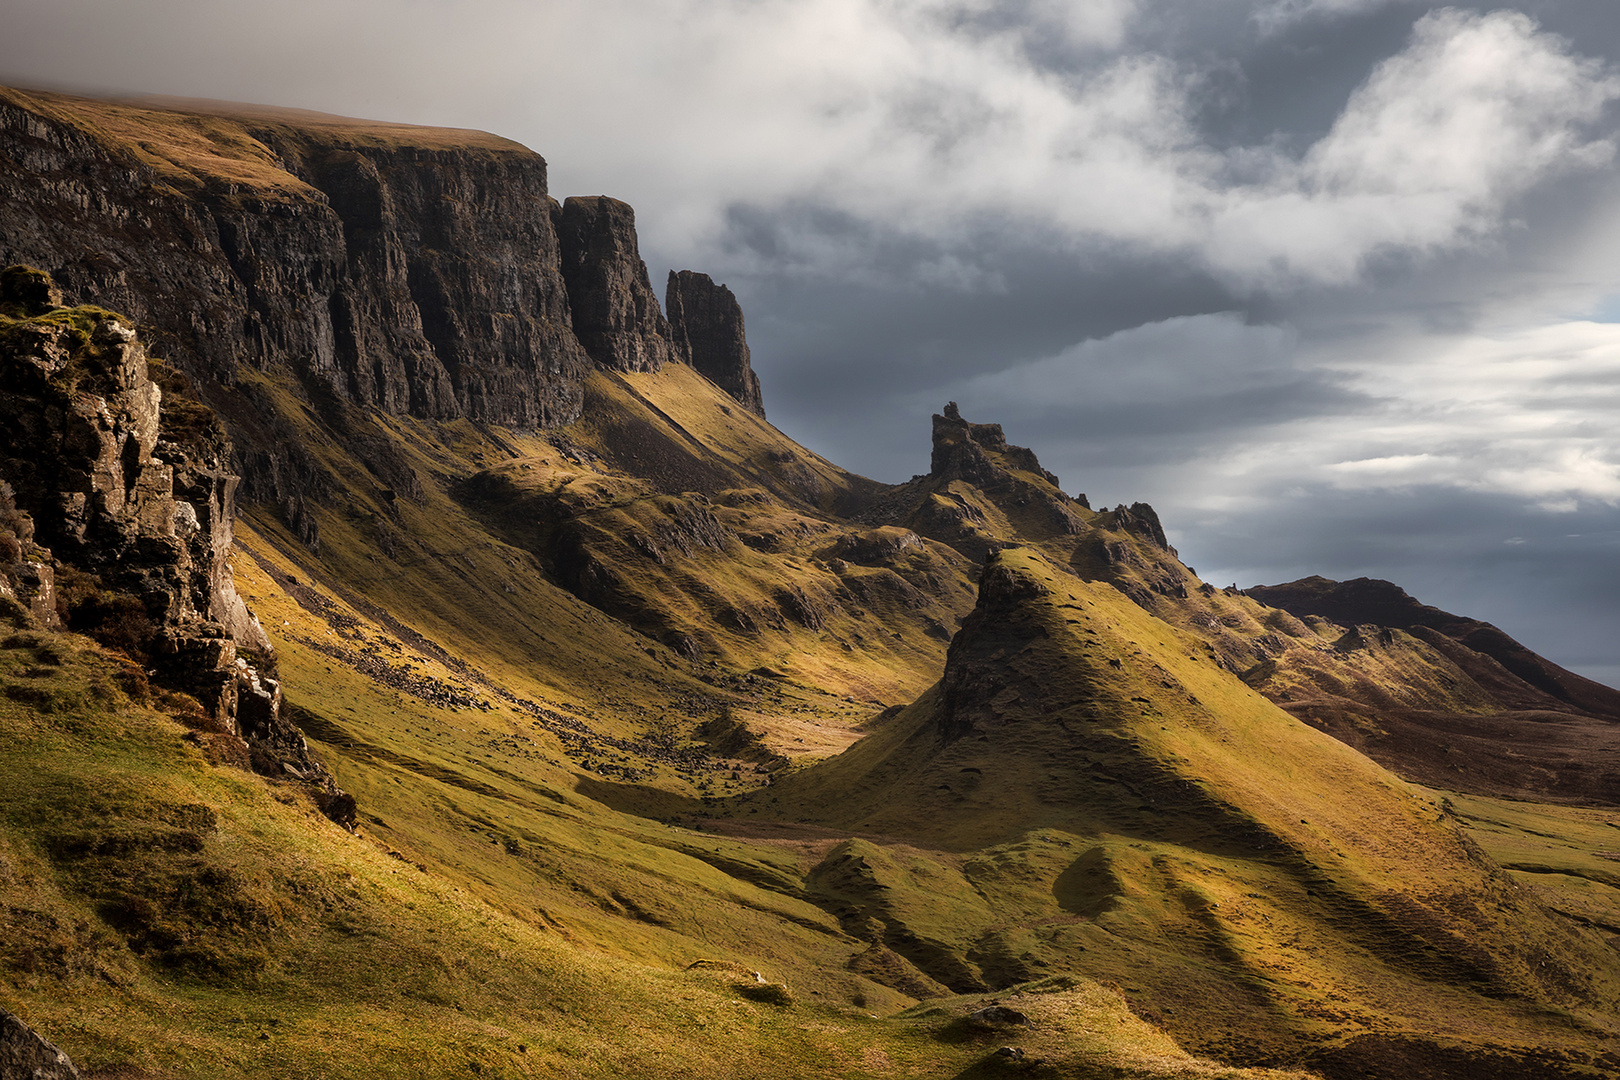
column 117, row 508
column 27, row 1055
column 706, row 323
column 1140, row 520
column 982, row 491
column 616, row 316
column 413, row 270
column 961, row 450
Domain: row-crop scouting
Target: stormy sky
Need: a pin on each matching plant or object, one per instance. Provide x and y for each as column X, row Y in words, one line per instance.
column 1333, row 284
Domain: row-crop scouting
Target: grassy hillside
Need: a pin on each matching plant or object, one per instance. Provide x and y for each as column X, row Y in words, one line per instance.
column 1088, row 791
column 680, row 751
column 165, row 916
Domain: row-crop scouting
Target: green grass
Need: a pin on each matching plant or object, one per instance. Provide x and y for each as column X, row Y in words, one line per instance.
column 302, row 951
column 1568, row 855
column 1123, row 808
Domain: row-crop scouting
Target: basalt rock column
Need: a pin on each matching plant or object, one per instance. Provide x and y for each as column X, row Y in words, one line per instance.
column 706, row 323
column 615, row 310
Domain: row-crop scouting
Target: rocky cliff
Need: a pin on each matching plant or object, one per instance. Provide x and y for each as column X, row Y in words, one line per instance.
column 417, row 271
column 117, row 506
column 616, row 314
column 707, row 325
column 413, row 271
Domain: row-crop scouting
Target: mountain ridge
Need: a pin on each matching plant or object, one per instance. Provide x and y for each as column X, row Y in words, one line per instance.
column 653, row 699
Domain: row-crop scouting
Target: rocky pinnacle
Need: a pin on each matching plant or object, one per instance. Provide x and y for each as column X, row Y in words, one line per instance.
column 706, row 323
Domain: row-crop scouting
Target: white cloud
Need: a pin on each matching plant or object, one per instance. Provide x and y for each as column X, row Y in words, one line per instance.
column 1274, row 16
column 1426, row 154
column 1526, row 413
column 905, row 118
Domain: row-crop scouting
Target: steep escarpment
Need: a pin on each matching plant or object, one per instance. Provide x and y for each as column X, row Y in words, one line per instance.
column 417, row 271
column 707, row 325
column 414, row 271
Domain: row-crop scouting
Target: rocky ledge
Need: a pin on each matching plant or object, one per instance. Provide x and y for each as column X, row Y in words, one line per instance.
column 706, row 323
column 117, row 510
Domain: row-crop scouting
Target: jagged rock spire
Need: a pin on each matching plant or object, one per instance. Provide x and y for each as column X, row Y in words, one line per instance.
column 706, row 324
column 615, row 310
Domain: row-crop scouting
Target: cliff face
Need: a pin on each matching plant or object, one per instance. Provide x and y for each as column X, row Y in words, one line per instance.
column 706, row 323
column 416, row 271
column 448, row 300
column 616, row 314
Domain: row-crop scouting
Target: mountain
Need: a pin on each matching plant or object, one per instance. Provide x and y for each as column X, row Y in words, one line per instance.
column 1504, row 721
column 434, row 663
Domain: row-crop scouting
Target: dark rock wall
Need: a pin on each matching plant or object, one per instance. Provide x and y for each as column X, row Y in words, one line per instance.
column 615, row 310
column 454, row 304
column 111, row 233
column 415, row 280
column 706, row 323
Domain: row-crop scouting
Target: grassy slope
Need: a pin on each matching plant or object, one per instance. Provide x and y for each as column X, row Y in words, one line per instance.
column 1258, row 885
column 1569, row 855
column 175, row 918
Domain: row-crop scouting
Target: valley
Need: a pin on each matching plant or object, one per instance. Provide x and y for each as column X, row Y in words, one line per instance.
column 522, row 703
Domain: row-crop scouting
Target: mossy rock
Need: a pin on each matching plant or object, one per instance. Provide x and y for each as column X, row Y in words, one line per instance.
column 769, row 992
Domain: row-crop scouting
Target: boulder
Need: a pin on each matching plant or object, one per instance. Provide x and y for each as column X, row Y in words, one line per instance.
column 26, row 1055
column 998, row 1016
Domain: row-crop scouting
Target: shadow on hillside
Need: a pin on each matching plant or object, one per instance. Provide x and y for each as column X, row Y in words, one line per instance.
column 643, row 800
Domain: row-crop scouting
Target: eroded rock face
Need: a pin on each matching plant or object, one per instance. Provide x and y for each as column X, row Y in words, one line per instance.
column 615, row 311
column 132, row 497
column 961, row 452
column 414, row 279
column 706, row 324
column 1139, row 519
column 108, row 488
